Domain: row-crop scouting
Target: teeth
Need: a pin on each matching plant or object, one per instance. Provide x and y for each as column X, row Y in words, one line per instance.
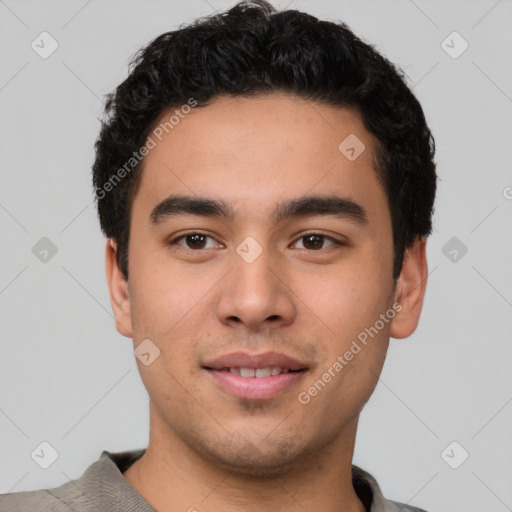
column 247, row 372
column 258, row 372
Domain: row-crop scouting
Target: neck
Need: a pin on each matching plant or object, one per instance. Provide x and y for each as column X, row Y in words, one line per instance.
column 172, row 475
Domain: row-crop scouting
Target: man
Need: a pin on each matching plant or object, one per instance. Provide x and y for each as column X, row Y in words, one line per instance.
column 265, row 182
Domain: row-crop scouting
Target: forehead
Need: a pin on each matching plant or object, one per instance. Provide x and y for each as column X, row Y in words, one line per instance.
column 252, row 151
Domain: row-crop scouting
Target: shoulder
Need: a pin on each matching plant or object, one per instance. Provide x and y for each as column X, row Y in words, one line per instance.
column 44, row 500
column 402, row 507
column 369, row 492
column 101, row 488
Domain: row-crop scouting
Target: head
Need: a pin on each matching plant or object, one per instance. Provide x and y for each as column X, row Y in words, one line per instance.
column 266, row 183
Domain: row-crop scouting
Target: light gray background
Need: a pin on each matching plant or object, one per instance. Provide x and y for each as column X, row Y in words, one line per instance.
column 67, row 377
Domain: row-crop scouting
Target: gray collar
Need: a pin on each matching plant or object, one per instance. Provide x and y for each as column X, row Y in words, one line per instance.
column 104, row 480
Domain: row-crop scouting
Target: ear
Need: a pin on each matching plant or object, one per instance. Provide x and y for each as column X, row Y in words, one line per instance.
column 410, row 290
column 118, row 289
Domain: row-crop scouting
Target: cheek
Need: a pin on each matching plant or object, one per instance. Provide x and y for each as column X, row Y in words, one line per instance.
column 164, row 294
column 349, row 305
column 356, row 341
column 350, row 297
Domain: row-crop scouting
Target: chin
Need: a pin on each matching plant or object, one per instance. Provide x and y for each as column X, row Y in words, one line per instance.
column 268, row 459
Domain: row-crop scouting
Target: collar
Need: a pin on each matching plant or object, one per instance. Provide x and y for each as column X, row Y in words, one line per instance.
column 111, row 465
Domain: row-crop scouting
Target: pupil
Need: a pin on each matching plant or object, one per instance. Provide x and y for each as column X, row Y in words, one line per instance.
column 316, row 242
column 197, row 240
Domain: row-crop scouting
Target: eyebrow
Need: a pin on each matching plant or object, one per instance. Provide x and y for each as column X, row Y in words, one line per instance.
column 306, row 206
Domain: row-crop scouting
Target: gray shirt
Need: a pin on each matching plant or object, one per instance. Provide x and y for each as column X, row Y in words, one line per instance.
column 102, row 488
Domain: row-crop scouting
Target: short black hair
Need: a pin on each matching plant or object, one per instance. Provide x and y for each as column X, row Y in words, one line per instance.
column 254, row 49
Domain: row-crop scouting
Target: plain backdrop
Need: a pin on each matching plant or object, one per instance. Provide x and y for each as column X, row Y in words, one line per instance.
column 70, row 379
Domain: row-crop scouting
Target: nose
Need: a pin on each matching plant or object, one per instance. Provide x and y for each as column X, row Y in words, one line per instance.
column 255, row 296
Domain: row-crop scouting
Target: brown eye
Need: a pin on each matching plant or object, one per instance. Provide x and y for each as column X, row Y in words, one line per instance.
column 193, row 241
column 315, row 241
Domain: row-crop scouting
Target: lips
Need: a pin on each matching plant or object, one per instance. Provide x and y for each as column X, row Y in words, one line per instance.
column 242, row 360
column 255, row 377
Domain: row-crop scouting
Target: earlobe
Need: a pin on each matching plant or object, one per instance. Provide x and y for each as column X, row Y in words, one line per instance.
column 118, row 290
column 410, row 290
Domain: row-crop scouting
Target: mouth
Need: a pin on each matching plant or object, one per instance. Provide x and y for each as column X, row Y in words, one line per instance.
column 255, row 377
column 256, row 373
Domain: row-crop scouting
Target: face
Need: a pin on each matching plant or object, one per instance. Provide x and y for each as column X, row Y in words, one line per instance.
column 289, row 268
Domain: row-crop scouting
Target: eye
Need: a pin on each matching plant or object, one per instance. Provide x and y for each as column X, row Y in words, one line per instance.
column 193, row 241
column 196, row 241
column 314, row 241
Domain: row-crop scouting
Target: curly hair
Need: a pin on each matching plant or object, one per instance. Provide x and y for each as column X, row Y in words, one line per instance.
column 254, row 49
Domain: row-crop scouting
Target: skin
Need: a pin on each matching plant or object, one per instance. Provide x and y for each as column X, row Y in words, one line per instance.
column 208, row 449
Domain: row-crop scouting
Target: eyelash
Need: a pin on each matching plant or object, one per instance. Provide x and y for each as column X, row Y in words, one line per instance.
column 174, row 241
